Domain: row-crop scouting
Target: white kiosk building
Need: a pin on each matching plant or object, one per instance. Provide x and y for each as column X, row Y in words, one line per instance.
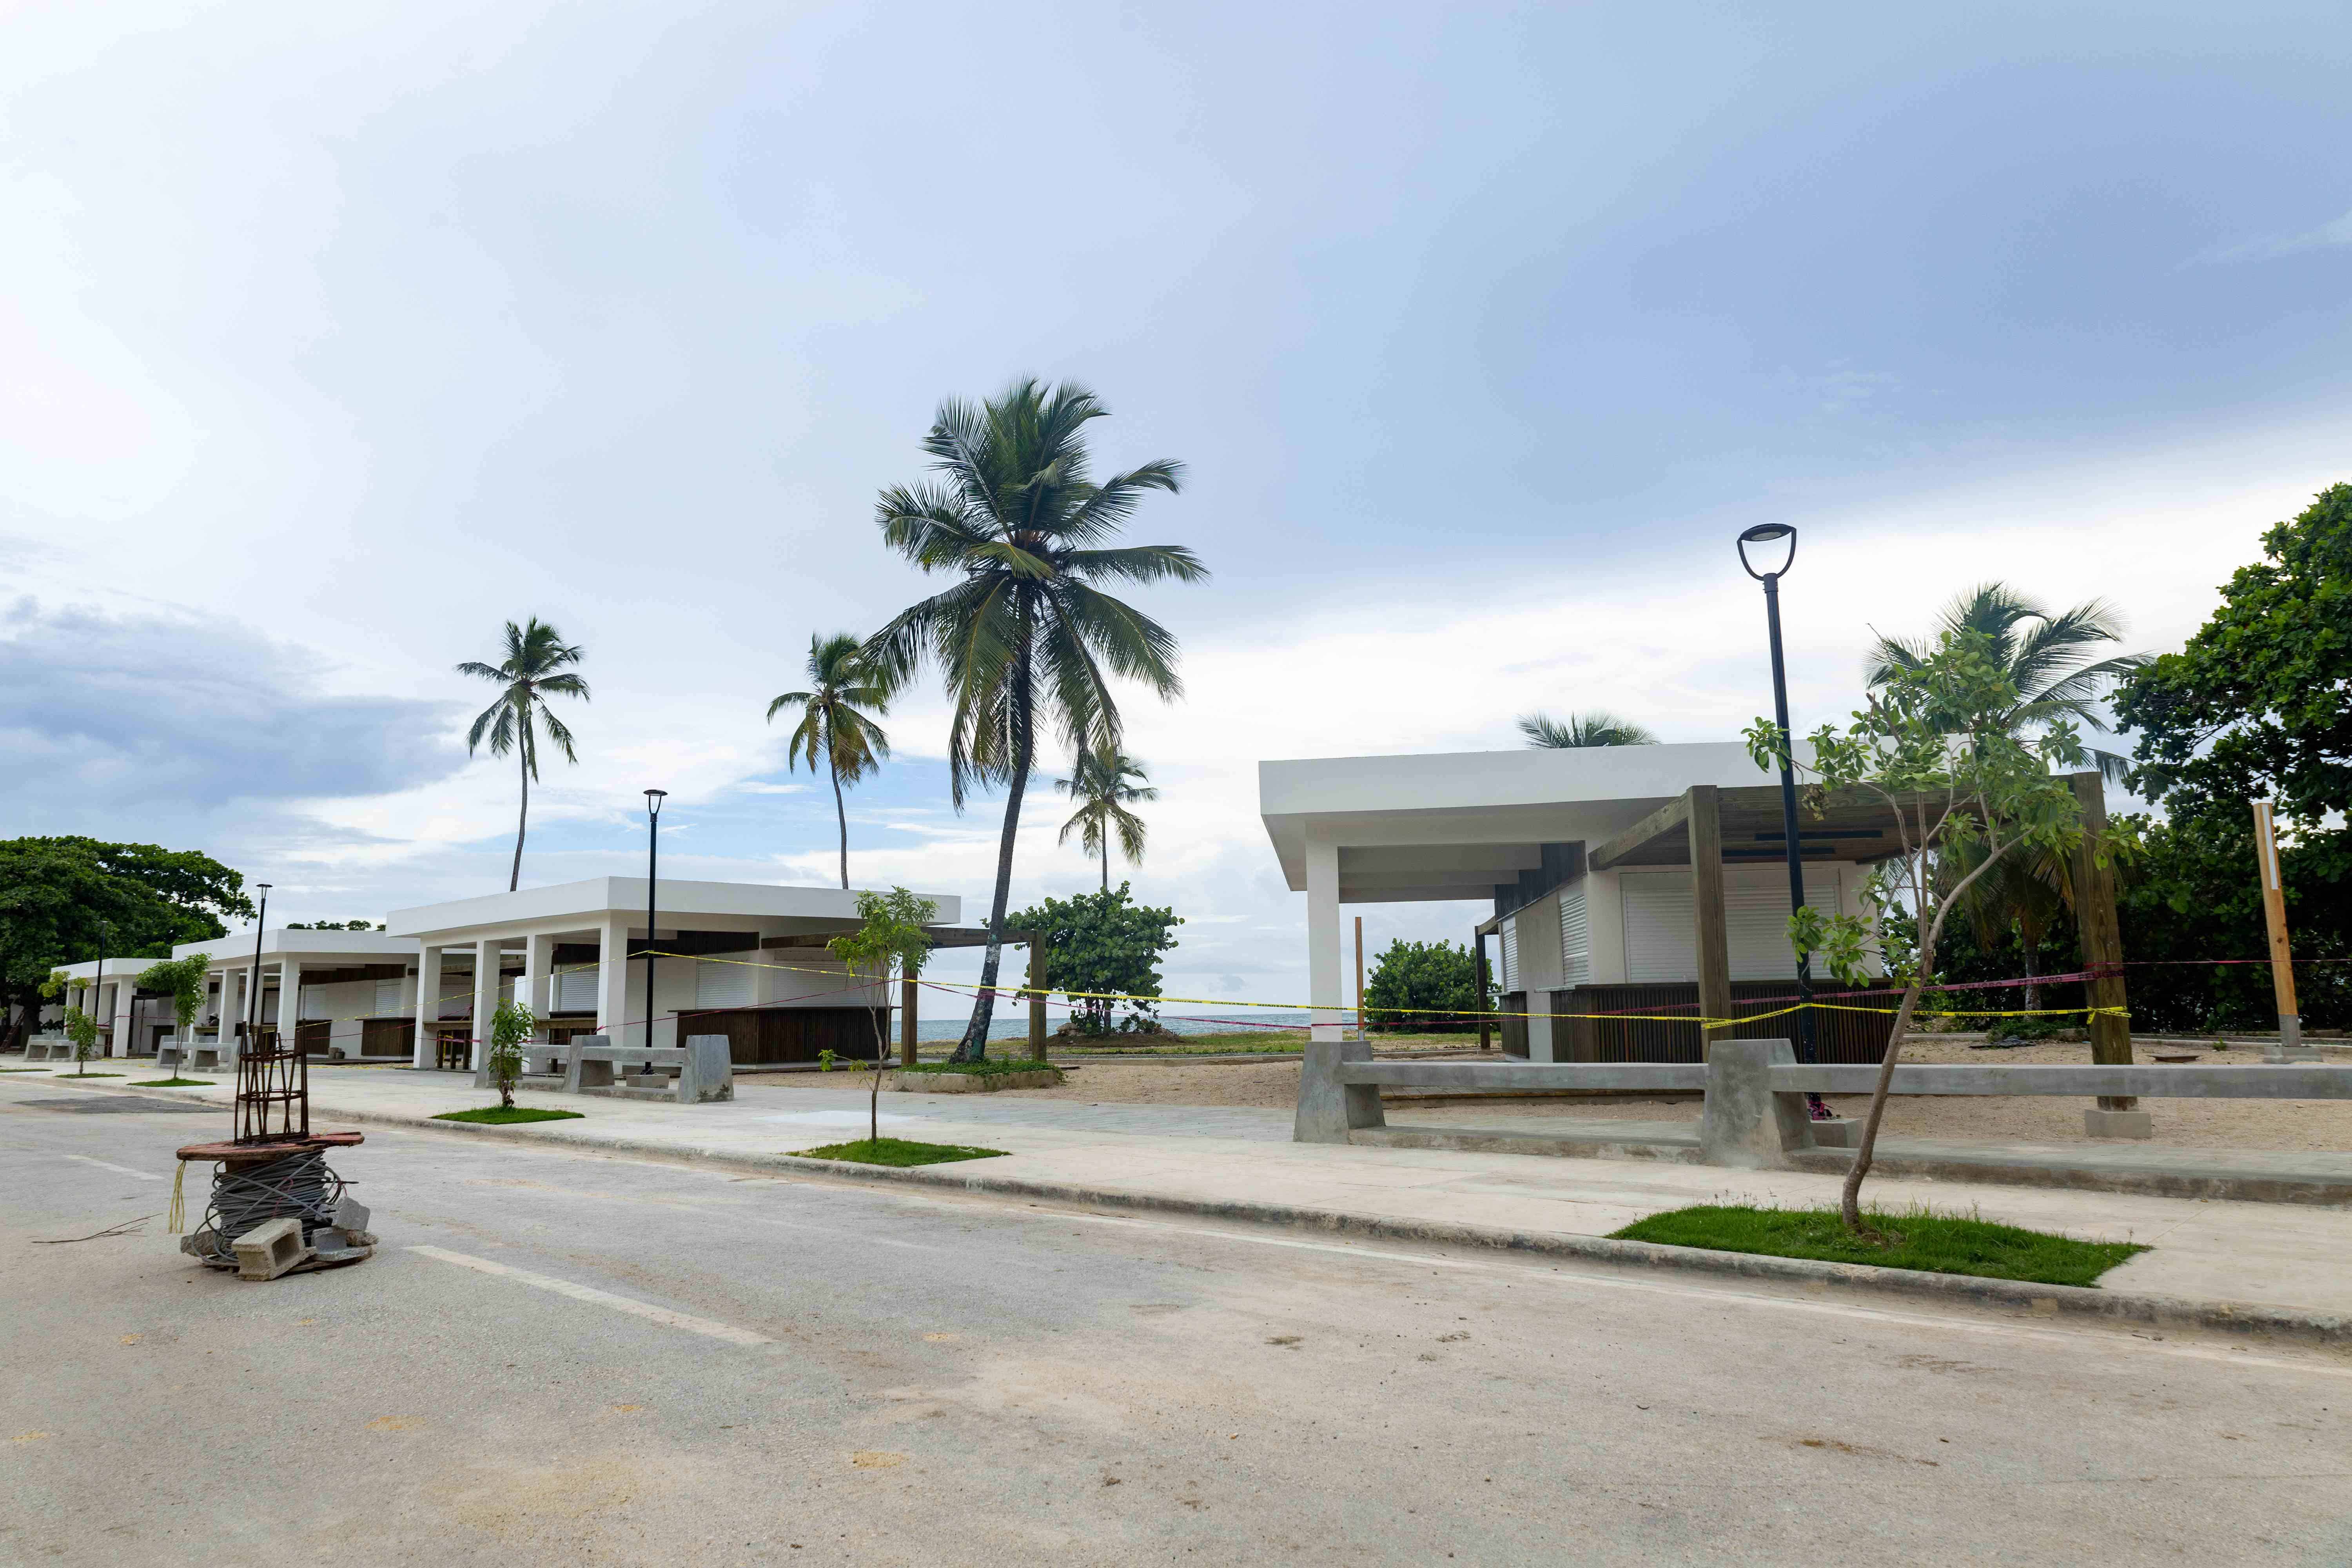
column 741, row 959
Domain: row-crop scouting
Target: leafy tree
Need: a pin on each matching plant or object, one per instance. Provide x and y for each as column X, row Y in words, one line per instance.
column 184, row 978
column 1100, row 784
column 1423, row 985
column 62, row 899
column 511, row 1027
column 1101, row 946
column 892, row 941
column 335, row 925
column 1937, row 746
column 851, row 743
column 1027, row 633
column 2047, row 657
column 1579, row 730
column 2259, row 703
column 534, row 670
column 81, row 1029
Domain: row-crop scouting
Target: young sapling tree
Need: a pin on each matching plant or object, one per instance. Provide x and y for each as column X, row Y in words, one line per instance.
column 1935, row 747
column 891, row 942
column 511, row 1025
column 185, row 979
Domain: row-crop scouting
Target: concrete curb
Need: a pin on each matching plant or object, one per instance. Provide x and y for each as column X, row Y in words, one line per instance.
column 2330, row 1329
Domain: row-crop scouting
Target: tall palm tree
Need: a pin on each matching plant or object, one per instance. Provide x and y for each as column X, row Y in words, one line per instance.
column 1594, row 729
column 851, row 743
column 1026, row 633
column 1100, row 784
column 2048, row 658
column 533, row 672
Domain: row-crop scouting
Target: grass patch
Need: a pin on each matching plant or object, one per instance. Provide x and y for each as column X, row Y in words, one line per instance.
column 898, row 1151
column 1939, row 1244
column 61, row 1073
column 24, row 1070
column 992, row 1067
column 506, row 1115
column 173, row 1083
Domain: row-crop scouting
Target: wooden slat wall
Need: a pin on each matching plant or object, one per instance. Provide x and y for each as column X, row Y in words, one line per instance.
column 790, row 1034
column 1841, row 1036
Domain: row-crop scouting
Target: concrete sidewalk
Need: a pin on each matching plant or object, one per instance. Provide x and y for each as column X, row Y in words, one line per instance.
column 1233, row 1160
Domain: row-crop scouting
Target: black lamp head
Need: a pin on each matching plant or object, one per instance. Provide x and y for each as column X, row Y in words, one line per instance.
column 1768, row 533
column 654, row 799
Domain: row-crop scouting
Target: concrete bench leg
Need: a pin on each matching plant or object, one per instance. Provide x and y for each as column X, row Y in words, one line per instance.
column 709, row 1070
column 1327, row 1109
column 1747, row 1124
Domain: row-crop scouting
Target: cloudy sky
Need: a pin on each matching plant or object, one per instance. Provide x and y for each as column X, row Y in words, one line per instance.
column 331, row 337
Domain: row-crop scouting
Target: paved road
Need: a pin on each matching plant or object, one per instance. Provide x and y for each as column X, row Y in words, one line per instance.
column 564, row 1358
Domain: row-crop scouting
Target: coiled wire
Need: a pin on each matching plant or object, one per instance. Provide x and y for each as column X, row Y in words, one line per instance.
column 298, row 1186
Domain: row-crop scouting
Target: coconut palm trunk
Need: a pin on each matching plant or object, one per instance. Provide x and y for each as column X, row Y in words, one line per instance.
column 973, row 1047
column 841, row 815
column 523, row 818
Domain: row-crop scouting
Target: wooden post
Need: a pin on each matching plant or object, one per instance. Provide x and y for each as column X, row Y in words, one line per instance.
column 2102, row 935
column 2266, row 859
column 1706, row 912
column 1037, row 996
column 1485, row 1023
column 1363, row 1031
column 907, row 1019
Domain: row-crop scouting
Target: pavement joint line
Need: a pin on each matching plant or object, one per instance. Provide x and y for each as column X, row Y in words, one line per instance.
column 2332, row 1329
column 589, row 1293
column 118, row 1170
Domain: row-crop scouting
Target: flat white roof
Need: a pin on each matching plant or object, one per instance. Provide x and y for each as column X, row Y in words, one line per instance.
column 368, row 946
column 1452, row 825
column 716, row 905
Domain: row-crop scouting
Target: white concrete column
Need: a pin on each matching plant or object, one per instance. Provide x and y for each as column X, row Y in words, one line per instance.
column 612, row 978
column 429, row 1004
column 539, row 977
column 232, row 1008
column 1323, row 939
column 289, row 1003
column 125, row 994
column 486, row 996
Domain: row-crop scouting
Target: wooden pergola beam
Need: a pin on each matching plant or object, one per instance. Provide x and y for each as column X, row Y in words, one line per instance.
column 1658, row 824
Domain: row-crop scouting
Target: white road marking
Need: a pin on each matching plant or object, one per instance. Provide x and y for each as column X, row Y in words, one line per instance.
column 119, row 1170
column 2229, row 1356
column 646, row 1310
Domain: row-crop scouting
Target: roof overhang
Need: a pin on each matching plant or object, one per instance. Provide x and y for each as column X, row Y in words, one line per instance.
column 1454, row 826
column 761, row 908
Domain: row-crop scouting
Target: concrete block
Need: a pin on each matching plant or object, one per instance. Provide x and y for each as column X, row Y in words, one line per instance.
column 709, row 1070
column 1328, row 1109
column 2119, row 1125
column 575, row 1068
column 1836, row 1133
column 352, row 1215
column 269, row 1249
column 1748, row 1124
column 2278, row 1053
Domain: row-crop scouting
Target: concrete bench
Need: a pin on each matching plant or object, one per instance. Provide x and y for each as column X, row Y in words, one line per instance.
column 1756, row 1116
column 704, row 1066
column 204, row 1058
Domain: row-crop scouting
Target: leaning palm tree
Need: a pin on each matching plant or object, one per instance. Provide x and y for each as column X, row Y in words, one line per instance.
column 1593, row 728
column 2047, row 656
column 533, row 672
column 1100, row 784
column 1026, row 634
column 831, row 725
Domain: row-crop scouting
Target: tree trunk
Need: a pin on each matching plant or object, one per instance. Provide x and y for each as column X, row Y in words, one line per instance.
column 2033, row 975
column 1850, row 1200
column 841, row 814
column 523, row 818
column 1105, row 849
column 975, row 1045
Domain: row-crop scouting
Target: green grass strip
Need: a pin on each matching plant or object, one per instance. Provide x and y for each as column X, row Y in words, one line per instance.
column 898, row 1151
column 24, row 1070
column 508, row 1115
column 173, row 1083
column 1916, row 1238
column 89, row 1075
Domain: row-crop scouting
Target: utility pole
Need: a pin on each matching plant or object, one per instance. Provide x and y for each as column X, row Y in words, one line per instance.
column 2289, row 1047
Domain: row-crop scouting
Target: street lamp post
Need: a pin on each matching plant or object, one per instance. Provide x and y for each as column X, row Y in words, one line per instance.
column 1770, row 533
column 253, row 976
column 654, row 799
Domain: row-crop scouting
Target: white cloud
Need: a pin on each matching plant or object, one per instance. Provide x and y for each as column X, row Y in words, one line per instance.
column 2326, row 236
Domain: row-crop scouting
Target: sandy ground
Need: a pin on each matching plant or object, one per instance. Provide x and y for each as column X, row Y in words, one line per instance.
column 2186, row 1123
